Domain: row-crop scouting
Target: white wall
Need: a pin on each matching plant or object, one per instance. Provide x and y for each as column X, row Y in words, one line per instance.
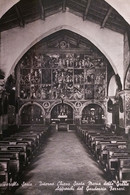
column 122, row 7
column 112, row 88
column 15, row 42
column 5, row 5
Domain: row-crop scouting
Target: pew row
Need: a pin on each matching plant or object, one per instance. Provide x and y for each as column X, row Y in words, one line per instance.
column 109, row 150
column 17, row 151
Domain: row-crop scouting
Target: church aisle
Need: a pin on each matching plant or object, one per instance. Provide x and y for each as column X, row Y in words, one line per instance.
column 63, row 159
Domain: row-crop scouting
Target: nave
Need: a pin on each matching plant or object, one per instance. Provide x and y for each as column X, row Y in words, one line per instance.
column 64, row 97
column 65, row 159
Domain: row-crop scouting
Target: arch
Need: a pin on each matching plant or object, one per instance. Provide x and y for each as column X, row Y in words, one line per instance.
column 39, row 30
column 112, row 87
column 62, row 112
column 119, row 6
column 93, row 114
column 97, row 103
column 72, row 29
column 127, row 78
column 59, row 102
column 38, row 119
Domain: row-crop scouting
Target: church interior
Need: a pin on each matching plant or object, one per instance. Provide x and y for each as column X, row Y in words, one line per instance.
column 64, row 97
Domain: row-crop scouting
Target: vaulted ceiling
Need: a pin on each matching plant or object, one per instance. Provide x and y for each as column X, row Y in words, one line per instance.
column 97, row 11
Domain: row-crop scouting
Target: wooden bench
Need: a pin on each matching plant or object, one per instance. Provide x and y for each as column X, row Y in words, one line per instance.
column 14, row 163
column 102, row 144
column 124, row 168
column 22, row 149
column 4, row 170
column 103, row 156
column 25, row 137
column 112, row 158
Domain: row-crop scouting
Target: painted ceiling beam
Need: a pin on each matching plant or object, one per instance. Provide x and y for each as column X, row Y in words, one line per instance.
column 86, row 9
column 106, row 17
column 42, row 14
column 63, row 5
column 19, row 16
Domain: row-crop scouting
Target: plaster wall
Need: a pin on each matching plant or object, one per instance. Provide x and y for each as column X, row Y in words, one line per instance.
column 15, row 42
column 122, row 7
column 109, row 118
column 5, row 5
column 112, row 87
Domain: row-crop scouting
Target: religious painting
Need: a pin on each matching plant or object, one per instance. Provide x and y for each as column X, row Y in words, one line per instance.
column 89, row 91
column 73, row 76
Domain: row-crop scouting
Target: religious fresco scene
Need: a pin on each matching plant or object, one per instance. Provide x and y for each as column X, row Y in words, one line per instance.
column 69, row 72
column 64, row 97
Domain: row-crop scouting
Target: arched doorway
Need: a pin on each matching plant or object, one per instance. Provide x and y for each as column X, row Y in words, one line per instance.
column 31, row 114
column 62, row 113
column 93, row 114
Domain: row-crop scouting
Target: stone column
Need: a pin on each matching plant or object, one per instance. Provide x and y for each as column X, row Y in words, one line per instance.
column 1, row 102
column 127, row 115
column 127, row 111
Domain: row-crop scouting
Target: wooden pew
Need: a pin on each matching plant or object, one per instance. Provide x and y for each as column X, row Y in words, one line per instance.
column 124, row 168
column 14, row 162
column 15, row 150
column 103, row 156
column 95, row 139
column 110, row 149
column 4, row 170
column 27, row 136
column 22, row 149
column 88, row 137
column 95, row 143
column 30, row 140
column 112, row 157
column 102, row 144
column 43, row 132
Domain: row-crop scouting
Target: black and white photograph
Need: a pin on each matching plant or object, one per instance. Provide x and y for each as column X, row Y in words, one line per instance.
column 64, row 97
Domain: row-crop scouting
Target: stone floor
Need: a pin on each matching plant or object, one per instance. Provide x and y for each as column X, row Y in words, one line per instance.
column 63, row 167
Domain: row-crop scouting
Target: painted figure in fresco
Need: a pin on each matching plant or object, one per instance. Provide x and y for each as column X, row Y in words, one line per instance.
column 35, row 76
column 78, row 92
column 88, row 63
column 37, row 62
column 99, row 92
column 100, row 78
column 90, row 78
column 27, row 61
column 54, row 93
column 43, row 94
column 92, row 116
column 100, row 63
column 60, row 74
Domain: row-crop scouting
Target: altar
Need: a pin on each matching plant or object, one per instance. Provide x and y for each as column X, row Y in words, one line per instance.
column 62, row 118
column 62, row 126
